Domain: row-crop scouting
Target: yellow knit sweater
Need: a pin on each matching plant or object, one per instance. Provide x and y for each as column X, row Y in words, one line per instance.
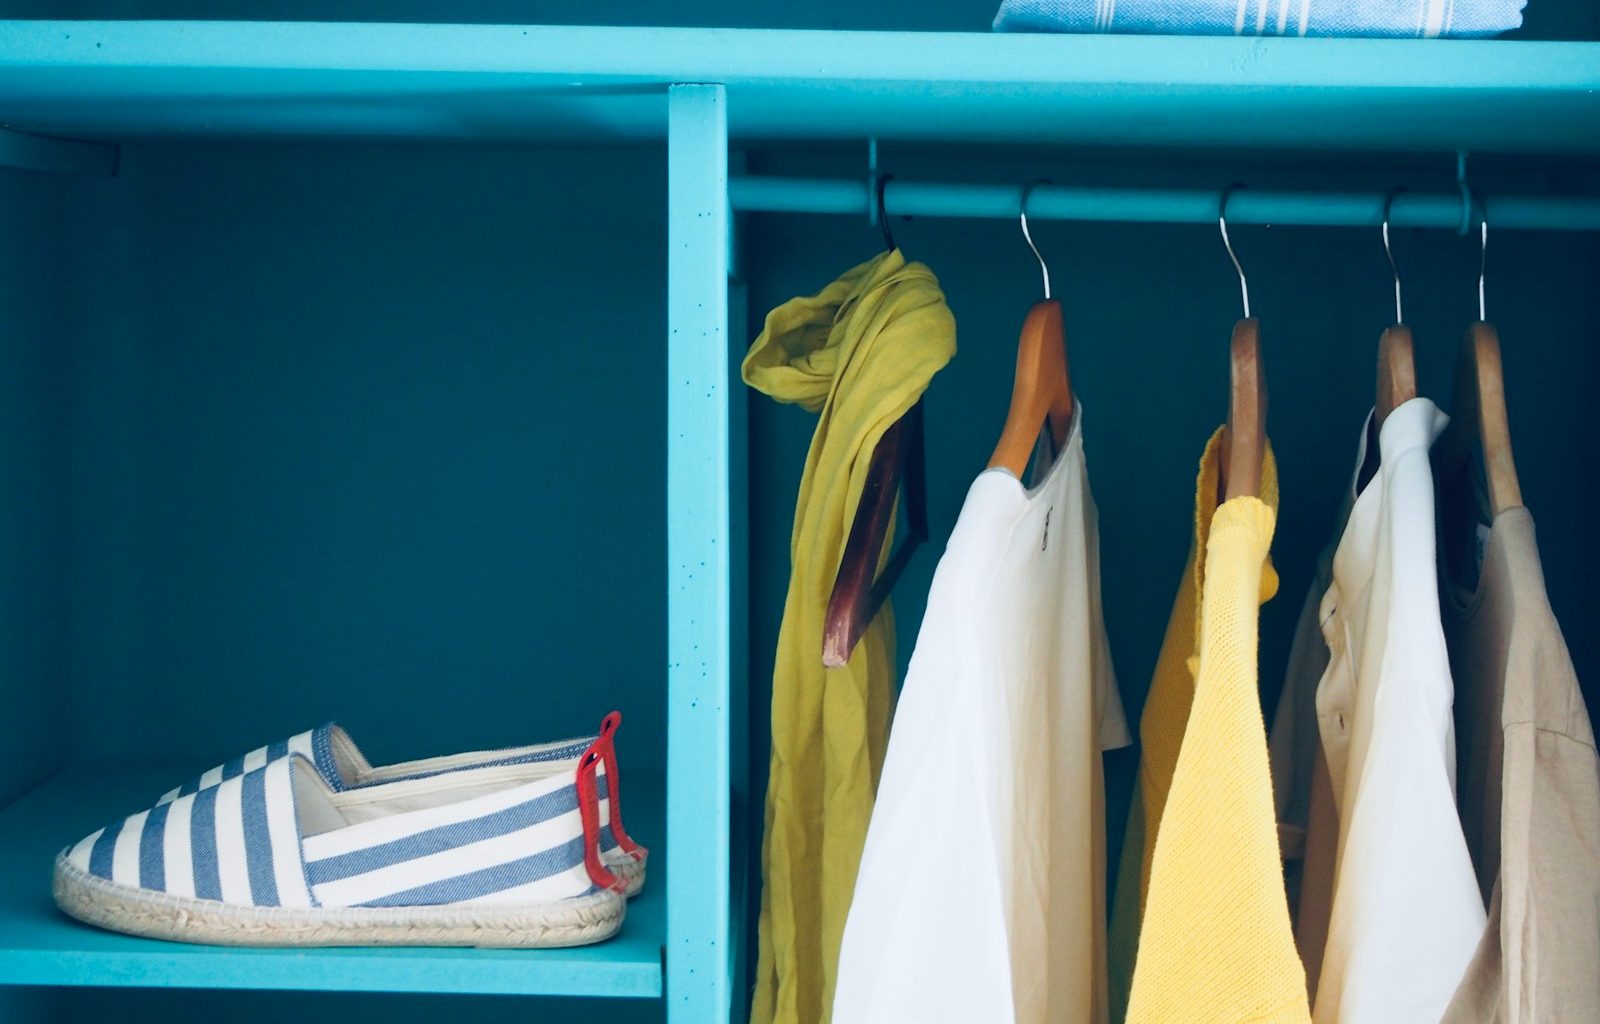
column 1214, row 943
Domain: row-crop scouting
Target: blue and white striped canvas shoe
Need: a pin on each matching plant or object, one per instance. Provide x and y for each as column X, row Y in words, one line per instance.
column 343, row 767
column 502, row 855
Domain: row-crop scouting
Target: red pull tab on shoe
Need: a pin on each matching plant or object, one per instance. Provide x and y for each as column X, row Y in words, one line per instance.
column 607, row 746
column 589, row 812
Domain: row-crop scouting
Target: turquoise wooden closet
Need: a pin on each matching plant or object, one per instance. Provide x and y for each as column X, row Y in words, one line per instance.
column 392, row 378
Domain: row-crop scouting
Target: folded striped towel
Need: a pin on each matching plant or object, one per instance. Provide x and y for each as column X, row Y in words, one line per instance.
column 1419, row 19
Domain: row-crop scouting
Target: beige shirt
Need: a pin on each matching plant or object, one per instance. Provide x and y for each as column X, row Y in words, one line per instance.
column 1529, row 777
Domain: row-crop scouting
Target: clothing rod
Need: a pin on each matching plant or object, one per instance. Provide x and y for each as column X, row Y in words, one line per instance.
column 763, row 194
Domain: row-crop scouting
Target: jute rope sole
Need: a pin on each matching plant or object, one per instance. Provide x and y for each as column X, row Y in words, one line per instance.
column 156, row 915
column 630, row 871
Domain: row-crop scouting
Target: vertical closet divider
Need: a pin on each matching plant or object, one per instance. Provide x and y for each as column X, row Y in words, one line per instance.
column 700, row 672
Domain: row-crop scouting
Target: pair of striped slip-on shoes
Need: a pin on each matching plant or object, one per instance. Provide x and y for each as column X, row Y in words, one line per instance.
column 305, row 843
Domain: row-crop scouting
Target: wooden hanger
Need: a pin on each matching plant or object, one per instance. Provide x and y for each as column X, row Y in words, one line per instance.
column 1478, row 412
column 898, row 465
column 1244, row 446
column 1042, row 388
column 1397, row 361
column 1478, row 417
column 1397, row 371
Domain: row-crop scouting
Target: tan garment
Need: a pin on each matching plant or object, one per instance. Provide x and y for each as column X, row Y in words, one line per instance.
column 1529, row 781
column 1308, row 823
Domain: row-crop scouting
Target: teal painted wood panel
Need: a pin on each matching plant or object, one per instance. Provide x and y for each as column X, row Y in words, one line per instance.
column 40, row 946
column 165, row 1006
column 25, row 1006
column 509, row 81
column 33, row 551
column 22, row 151
column 367, row 434
column 699, row 560
column 745, row 811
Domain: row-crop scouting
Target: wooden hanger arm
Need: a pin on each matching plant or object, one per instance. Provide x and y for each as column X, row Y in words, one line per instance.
column 1397, row 371
column 1246, row 442
column 898, row 463
column 1042, row 389
column 1479, row 418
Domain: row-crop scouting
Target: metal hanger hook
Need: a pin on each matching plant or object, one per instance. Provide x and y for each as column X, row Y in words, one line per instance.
column 1388, row 203
column 1022, row 216
column 883, row 216
column 1483, row 258
column 1222, row 225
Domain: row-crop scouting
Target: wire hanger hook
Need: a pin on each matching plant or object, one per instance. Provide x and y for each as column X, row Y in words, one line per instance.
column 1022, row 216
column 1483, row 259
column 1222, row 225
column 1388, row 203
column 883, row 216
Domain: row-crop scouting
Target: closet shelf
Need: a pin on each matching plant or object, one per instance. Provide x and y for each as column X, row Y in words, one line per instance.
column 120, row 80
column 41, row 946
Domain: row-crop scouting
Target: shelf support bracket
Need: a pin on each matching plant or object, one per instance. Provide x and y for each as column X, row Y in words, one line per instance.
column 27, row 152
column 700, row 561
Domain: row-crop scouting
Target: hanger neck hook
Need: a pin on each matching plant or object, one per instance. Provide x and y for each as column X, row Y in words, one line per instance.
column 1044, row 268
column 1388, row 203
column 1483, row 260
column 1222, row 225
column 883, row 216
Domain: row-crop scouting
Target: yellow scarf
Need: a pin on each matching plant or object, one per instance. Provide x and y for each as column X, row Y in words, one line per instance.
column 861, row 351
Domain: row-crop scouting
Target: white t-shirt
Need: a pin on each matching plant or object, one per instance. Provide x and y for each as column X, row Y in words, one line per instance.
column 1406, row 907
column 981, row 893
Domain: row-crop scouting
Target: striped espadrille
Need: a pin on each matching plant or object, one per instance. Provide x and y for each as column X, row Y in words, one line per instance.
column 497, row 855
column 343, row 767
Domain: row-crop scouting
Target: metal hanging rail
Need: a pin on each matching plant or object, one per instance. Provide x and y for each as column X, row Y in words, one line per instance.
column 1165, row 206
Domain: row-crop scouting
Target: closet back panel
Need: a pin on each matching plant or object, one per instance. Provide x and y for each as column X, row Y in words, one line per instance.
column 367, row 434
column 32, row 479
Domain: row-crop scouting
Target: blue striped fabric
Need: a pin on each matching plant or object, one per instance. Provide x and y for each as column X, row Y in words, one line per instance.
column 152, row 849
column 240, row 841
column 236, row 842
column 202, row 813
column 1424, row 19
